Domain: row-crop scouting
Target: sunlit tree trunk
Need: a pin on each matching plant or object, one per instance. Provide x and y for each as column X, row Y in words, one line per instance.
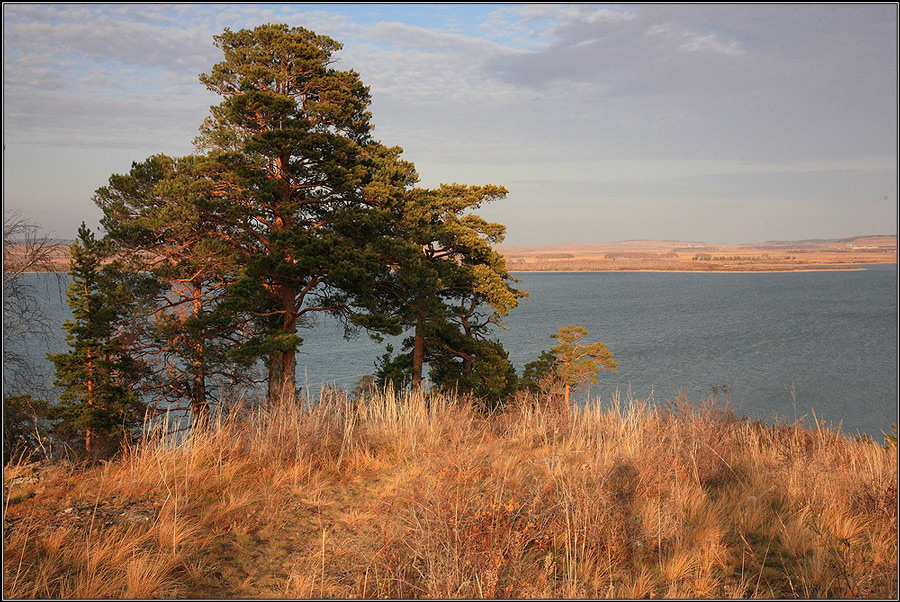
column 418, row 353
column 283, row 364
column 90, row 403
column 276, row 376
column 199, row 402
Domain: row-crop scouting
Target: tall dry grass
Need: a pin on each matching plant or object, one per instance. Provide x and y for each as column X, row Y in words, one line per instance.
column 404, row 496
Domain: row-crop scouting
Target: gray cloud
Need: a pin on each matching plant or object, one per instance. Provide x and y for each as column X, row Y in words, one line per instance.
column 95, row 76
column 104, row 38
column 736, row 80
column 597, row 118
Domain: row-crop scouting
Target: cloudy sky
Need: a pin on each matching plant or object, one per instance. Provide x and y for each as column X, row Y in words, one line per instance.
column 731, row 123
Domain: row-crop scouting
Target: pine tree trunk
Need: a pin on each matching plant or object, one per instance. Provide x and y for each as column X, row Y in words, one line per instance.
column 199, row 405
column 418, row 354
column 282, row 377
column 276, row 377
column 468, row 366
column 289, row 371
column 90, row 381
column 90, row 400
column 283, row 364
column 566, row 400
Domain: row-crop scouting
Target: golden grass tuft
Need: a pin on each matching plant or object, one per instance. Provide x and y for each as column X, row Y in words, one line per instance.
column 408, row 496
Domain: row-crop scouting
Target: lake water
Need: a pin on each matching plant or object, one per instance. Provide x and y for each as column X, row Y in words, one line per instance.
column 830, row 337
column 783, row 344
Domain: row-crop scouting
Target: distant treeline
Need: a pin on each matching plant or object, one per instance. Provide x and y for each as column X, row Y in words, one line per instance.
column 745, row 258
column 633, row 255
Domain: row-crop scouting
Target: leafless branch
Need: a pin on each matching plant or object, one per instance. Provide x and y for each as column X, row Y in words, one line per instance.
column 26, row 250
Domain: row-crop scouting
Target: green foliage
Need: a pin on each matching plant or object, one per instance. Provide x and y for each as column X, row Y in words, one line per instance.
column 96, row 375
column 157, row 224
column 535, row 375
column 480, row 368
column 568, row 364
column 458, row 364
column 576, row 363
column 451, row 288
column 294, row 209
column 300, row 187
column 395, row 371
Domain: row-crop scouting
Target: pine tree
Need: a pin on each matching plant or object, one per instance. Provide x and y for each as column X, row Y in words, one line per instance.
column 157, row 226
column 453, row 288
column 290, row 161
column 294, row 210
column 575, row 363
column 567, row 365
column 97, row 401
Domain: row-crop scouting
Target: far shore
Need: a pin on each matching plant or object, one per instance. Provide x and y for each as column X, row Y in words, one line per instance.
column 846, row 254
column 719, row 271
column 750, row 270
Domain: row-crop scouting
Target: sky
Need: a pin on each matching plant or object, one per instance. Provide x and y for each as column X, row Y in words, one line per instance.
column 730, row 123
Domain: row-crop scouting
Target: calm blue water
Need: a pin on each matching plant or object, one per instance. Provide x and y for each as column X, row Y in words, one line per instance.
column 830, row 337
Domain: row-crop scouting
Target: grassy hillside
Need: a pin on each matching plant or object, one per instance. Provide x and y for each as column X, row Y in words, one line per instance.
column 399, row 496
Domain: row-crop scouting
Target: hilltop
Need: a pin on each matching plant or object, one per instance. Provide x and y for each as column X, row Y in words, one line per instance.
column 407, row 497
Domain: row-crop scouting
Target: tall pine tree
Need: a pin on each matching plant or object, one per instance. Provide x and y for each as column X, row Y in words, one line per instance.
column 453, row 288
column 290, row 157
column 96, row 375
column 157, row 226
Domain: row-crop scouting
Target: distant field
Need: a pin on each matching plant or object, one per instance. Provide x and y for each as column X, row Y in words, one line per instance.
column 12, row 255
column 658, row 255
column 670, row 256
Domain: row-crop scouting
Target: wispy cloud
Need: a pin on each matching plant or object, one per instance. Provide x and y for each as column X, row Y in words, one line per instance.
column 587, row 104
column 710, row 42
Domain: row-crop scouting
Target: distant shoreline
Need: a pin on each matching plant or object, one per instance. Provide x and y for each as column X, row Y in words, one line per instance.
column 753, row 271
column 849, row 254
column 855, row 268
column 678, row 256
column 661, row 271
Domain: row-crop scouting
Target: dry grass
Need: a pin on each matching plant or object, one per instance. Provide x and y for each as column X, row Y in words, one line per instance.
column 407, row 497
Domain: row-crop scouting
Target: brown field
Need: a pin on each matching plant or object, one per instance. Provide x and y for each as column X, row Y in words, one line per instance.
column 58, row 256
column 407, row 497
column 656, row 255
column 671, row 256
